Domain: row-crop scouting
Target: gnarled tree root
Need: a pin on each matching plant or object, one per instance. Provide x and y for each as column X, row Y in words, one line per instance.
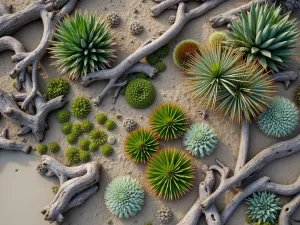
column 286, row 77
column 77, row 184
column 6, row 144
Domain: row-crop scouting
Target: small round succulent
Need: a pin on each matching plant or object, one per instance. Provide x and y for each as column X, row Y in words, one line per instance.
column 263, row 207
column 84, row 144
column 76, row 129
column 84, row 156
column 140, row 93
column 72, row 138
column 66, row 128
column 160, row 66
column 101, row 118
column 72, row 155
column 81, row 107
column 87, row 126
column 140, row 145
column 136, row 28
column 111, row 140
column 152, row 59
column 280, row 119
column 53, row 147
column 129, row 124
column 172, row 19
column 94, row 146
column 162, row 52
column 170, row 173
column 164, row 215
column 168, row 121
column 83, row 44
column 110, row 124
column 98, row 136
column 55, row 189
column 113, row 19
column 106, row 150
column 42, row 149
column 124, row 197
column 63, row 116
column 56, row 87
column 297, row 96
column 184, row 51
column 217, row 38
column 200, row 140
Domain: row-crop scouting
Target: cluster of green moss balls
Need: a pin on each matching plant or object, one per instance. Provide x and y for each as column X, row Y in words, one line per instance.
column 106, row 150
column 52, row 146
column 102, row 119
column 159, row 54
column 56, row 87
column 81, row 107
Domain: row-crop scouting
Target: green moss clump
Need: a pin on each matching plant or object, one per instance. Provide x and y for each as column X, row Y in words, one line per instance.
column 72, row 138
column 142, row 76
column 101, row 118
column 42, row 149
column 63, row 116
column 81, row 107
column 56, row 87
column 53, row 147
column 66, row 128
column 84, row 144
column 152, row 59
column 54, row 189
column 162, row 52
column 84, row 156
column 119, row 116
column 160, row 66
column 148, row 223
column 94, row 146
column 87, row 126
column 110, row 124
column 107, row 150
column 76, row 129
column 72, row 155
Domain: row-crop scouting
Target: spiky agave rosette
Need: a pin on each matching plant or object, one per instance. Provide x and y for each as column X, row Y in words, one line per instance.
column 83, row 44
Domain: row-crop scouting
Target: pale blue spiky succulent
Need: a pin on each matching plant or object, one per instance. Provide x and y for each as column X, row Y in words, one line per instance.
column 124, row 197
column 263, row 207
column 280, row 119
column 200, row 140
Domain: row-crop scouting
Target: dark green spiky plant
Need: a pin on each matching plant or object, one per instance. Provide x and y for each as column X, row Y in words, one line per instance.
column 170, row 174
column 83, row 44
column 140, row 145
column 168, row 121
column 265, row 35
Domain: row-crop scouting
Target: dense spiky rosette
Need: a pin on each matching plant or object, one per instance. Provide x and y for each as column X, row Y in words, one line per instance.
column 168, row 121
column 217, row 38
column 72, row 155
column 84, row 156
column 280, row 119
column 53, row 147
column 98, row 136
column 84, row 144
column 87, row 126
column 83, row 44
column 140, row 145
column 183, row 52
column 63, row 116
column 200, row 140
column 81, row 107
column 124, row 197
column 57, row 86
column 263, row 207
column 265, row 35
column 250, row 96
column 140, row 93
column 170, row 173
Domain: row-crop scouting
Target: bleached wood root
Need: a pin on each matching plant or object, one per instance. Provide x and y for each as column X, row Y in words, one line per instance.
column 164, row 5
column 77, row 184
column 4, row 9
column 286, row 77
column 288, row 210
column 6, row 144
column 115, row 73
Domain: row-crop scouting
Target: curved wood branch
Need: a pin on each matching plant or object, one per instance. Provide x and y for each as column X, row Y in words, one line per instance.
column 288, row 210
column 164, row 5
column 6, row 144
column 286, row 77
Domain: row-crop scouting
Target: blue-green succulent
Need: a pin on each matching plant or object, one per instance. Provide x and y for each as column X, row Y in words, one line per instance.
column 263, row 207
column 124, row 197
column 200, row 140
column 280, row 119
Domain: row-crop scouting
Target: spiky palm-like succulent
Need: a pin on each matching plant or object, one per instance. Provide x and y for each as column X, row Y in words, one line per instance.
column 280, row 119
column 265, row 35
column 124, row 197
column 170, row 173
column 217, row 38
column 200, row 140
column 73, row 155
column 184, row 51
column 57, row 86
column 263, row 207
column 98, row 136
column 84, row 44
column 168, row 121
column 81, row 107
column 140, row 145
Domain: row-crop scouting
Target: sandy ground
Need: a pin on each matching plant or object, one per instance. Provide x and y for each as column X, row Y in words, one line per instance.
column 23, row 192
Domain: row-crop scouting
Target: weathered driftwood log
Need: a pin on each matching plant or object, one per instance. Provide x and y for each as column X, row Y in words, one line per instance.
column 288, row 210
column 6, row 144
column 286, row 77
column 115, row 73
column 77, row 184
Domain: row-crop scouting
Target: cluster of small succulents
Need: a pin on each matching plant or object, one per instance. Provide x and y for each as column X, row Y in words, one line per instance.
column 106, row 150
column 56, row 87
column 63, row 116
column 42, row 149
column 81, row 107
column 66, row 128
column 98, row 136
column 140, row 93
column 72, row 155
column 156, row 57
column 53, row 147
column 136, row 28
column 172, row 19
column 113, row 19
column 72, row 138
column 129, row 124
column 164, row 215
column 217, row 38
column 76, row 129
column 124, row 197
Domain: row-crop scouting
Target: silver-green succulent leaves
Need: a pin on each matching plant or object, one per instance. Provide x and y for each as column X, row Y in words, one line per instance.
column 83, row 44
column 124, row 197
column 200, row 140
column 280, row 119
column 263, row 207
column 265, row 35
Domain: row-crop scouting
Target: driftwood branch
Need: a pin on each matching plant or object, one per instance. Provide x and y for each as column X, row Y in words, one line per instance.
column 6, row 144
column 286, row 77
column 77, row 184
column 288, row 210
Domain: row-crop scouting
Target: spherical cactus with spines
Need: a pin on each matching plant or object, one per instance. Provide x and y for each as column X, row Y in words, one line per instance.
column 63, row 116
column 101, row 118
column 160, row 66
column 72, row 138
column 110, row 124
column 217, row 38
column 84, row 156
column 76, row 129
column 94, row 146
column 106, row 150
column 98, row 136
column 56, row 87
column 66, row 128
column 42, row 149
column 87, row 126
column 53, row 147
column 81, row 107
column 72, row 155
column 84, row 144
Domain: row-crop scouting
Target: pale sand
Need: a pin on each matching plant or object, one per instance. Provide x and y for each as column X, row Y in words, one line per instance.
column 24, row 193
